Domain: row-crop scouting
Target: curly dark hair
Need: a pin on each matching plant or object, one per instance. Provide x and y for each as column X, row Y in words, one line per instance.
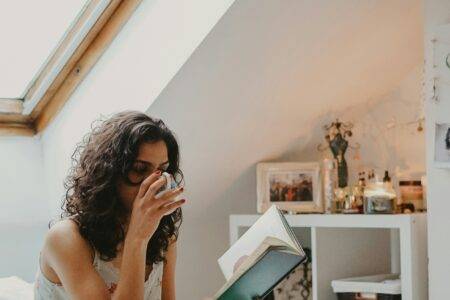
column 104, row 156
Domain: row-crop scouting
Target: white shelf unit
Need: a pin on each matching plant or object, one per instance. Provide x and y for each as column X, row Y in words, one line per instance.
column 357, row 245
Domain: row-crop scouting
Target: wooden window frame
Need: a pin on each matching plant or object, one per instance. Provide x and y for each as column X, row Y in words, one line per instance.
column 66, row 67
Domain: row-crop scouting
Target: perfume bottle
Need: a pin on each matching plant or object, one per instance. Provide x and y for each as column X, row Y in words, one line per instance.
column 386, row 177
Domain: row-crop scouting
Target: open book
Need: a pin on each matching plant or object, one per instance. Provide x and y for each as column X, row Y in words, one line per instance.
column 265, row 254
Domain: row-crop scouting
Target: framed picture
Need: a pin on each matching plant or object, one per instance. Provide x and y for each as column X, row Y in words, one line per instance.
column 442, row 145
column 292, row 186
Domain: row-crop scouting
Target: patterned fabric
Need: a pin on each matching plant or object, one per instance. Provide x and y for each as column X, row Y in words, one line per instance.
column 44, row 289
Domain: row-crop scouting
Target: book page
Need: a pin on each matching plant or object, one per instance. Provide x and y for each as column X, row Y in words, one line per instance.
column 269, row 224
column 250, row 261
column 291, row 233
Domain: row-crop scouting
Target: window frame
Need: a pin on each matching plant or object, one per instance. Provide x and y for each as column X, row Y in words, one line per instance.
column 77, row 52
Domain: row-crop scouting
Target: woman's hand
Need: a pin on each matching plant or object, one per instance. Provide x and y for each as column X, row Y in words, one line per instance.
column 149, row 209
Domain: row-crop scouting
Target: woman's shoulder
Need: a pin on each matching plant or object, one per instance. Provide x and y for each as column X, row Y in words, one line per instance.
column 61, row 242
column 64, row 235
column 63, row 228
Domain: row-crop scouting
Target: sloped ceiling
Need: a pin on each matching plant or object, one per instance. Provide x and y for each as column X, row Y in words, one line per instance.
column 258, row 82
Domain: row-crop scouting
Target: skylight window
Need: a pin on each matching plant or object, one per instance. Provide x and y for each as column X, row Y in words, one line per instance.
column 47, row 47
column 28, row 39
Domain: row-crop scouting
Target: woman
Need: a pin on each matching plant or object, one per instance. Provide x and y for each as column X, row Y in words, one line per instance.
column 117, row 237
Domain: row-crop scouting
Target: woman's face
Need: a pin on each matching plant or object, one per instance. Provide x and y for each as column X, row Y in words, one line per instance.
column 151, row 157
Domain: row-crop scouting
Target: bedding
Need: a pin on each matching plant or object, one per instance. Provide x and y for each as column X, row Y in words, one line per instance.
column 15, row 288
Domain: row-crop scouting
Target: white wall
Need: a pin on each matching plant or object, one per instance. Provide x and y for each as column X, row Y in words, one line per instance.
column 437, row 12
column 21, row 193
column 261, row 86
column 24, row 212
column 386, row 127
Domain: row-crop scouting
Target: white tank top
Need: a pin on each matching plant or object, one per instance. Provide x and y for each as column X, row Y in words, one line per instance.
column 44, row 289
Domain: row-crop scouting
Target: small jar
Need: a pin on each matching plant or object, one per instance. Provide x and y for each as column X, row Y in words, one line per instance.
column 340, row 200
column 379, row 198
column 411, row 192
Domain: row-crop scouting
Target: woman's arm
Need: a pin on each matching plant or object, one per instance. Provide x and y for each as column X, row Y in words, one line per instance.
column 168, row 280
column 70, row 258
column 132, row 270
column 69, row 255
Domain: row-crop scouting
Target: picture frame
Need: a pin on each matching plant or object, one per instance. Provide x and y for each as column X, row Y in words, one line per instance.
column 292, row 186
column 442, row 145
